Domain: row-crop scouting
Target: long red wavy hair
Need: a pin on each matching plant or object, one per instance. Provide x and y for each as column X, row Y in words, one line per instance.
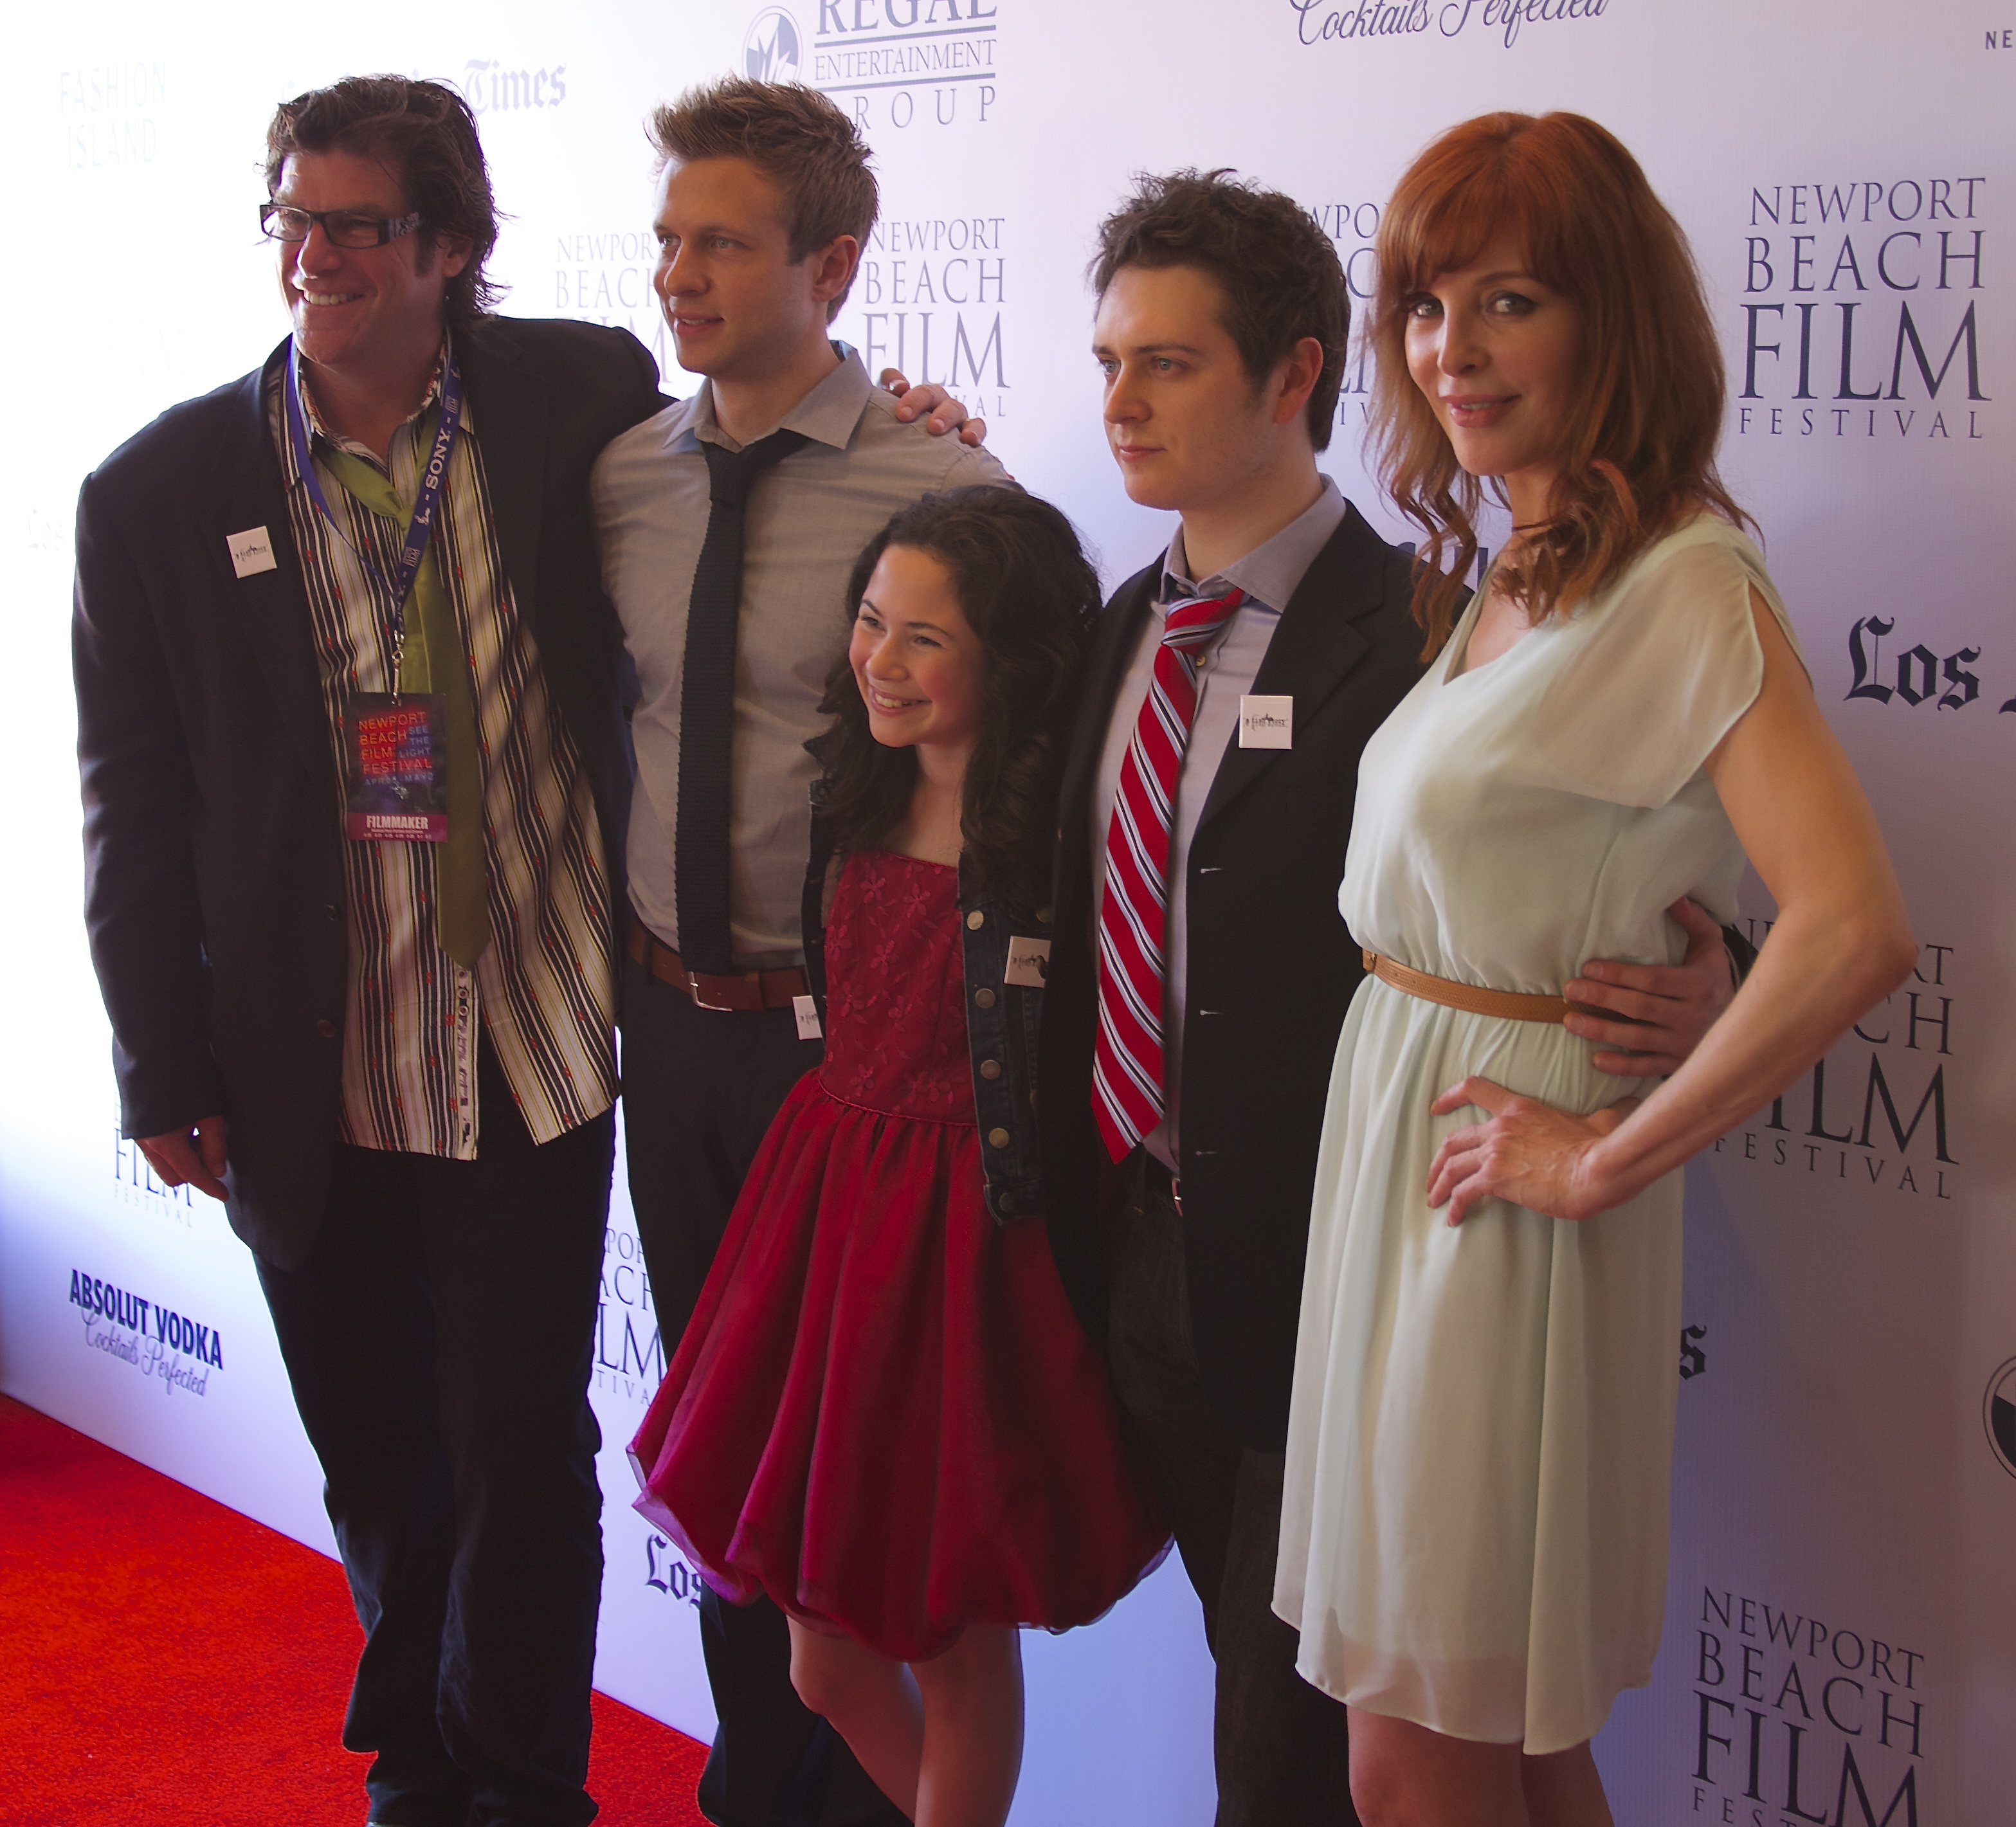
column 1641, row 438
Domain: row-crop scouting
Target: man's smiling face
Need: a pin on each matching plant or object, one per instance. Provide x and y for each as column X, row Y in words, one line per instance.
column 360, row 307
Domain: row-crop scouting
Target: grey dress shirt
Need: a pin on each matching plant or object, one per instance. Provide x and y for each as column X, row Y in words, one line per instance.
column 1269, row 574
column 807, row 519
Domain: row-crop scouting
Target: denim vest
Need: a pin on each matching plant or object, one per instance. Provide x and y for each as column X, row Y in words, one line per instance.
column 1003, row 1023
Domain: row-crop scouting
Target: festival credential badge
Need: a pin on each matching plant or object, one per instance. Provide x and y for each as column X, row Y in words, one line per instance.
column 395, row 755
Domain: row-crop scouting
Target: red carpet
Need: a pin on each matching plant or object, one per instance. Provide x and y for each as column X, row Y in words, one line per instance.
column 167, row 1660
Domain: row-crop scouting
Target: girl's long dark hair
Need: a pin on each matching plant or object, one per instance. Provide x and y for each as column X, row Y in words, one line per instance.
column 1027, row 590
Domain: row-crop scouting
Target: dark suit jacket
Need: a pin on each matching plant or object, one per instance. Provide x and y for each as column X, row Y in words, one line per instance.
column 213, row 833
column 1271, row 970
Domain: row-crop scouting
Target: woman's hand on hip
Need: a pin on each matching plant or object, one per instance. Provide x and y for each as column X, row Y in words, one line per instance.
column 1526, row 1152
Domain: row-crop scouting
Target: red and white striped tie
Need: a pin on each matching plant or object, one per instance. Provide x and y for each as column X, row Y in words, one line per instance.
column 1127, row 1095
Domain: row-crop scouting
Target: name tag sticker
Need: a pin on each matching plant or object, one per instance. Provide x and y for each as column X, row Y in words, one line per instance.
column 806, row 1009
column 251, row 552
column 1266, row 722
column 1028, row 962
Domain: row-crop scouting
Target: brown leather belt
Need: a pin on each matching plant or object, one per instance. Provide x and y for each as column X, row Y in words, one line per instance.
column 745, row 991
column 1511, row 1005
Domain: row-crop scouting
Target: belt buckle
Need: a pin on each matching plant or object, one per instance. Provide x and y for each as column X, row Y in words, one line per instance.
column 693, row 979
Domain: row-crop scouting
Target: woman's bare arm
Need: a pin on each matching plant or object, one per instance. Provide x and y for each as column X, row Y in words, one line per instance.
column 1840, row 943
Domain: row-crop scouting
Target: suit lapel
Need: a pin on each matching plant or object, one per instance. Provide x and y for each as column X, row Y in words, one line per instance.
column 509, row 414
column 270, row 606
column 1315, row 646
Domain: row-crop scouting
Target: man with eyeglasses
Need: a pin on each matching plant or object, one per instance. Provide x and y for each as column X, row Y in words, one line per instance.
column 355, row 789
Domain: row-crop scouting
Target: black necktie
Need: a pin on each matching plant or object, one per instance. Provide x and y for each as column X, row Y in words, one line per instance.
column 707, row 705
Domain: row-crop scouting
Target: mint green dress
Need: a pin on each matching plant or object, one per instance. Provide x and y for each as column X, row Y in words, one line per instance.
column 1473, row 1533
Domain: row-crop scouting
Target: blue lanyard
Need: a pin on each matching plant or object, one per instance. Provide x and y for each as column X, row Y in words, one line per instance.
column 422, row 525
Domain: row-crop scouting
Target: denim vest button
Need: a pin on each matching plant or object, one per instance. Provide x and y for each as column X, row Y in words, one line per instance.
column 984, row 998
column 999, row 1138
column 990, row 1069
column 975, row 920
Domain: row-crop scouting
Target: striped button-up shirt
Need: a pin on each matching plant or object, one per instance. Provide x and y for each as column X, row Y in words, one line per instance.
column 543, row 989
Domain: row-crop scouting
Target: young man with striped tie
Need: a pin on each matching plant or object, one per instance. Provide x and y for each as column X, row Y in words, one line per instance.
column 1200, row 972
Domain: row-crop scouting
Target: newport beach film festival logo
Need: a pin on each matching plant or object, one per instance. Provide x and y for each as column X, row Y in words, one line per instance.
column 1791, row 1717
column 1873, row 1115
column 891, row 63
column 1863, row 307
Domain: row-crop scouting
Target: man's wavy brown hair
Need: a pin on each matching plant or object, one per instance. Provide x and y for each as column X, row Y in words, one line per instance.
column 1642, row 434
column 1027, row 590
column 1278, row 271
column 423, row 133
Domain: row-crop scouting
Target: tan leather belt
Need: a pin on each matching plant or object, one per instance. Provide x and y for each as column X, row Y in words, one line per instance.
column 1509, row 1004
column 745, row 991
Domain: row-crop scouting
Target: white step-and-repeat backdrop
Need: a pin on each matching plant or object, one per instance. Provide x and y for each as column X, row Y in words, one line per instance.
column 1841, row 1638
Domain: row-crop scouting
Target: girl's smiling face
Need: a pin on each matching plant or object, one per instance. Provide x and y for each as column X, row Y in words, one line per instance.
column 920, row 668
column 1498, row 355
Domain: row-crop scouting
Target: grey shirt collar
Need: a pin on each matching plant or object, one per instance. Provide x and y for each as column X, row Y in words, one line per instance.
column 1270, row 573
column 827, row 415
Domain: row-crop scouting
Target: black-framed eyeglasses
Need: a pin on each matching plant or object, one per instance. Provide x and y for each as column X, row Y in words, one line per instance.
column 346, row 227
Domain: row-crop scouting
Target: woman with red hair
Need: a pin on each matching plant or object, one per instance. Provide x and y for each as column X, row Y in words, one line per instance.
column 1473, row 1543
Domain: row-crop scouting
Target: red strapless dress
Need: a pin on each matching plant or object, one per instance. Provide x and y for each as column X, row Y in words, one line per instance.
column 885, row 1414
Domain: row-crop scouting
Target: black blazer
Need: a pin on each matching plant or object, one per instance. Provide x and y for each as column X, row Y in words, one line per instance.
column 1271, row 969
column 213, row 834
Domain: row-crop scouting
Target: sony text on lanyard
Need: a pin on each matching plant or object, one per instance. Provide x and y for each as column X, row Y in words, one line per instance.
column 395, row 743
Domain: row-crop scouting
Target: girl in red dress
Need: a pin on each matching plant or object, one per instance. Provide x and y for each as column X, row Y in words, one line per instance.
column 885, row 1414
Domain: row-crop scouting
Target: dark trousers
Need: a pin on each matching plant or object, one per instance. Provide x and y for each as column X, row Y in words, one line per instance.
column 699, row 1089
column 438, row 1341
column 1279, row 1745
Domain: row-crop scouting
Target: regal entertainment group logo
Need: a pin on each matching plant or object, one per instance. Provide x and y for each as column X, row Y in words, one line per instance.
column 772, row 51
column 896, row 63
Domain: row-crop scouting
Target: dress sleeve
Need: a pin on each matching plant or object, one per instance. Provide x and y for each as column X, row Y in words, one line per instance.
column 1673, row 665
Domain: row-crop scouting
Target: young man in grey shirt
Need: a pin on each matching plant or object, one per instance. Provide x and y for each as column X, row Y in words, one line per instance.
column 765, row 199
